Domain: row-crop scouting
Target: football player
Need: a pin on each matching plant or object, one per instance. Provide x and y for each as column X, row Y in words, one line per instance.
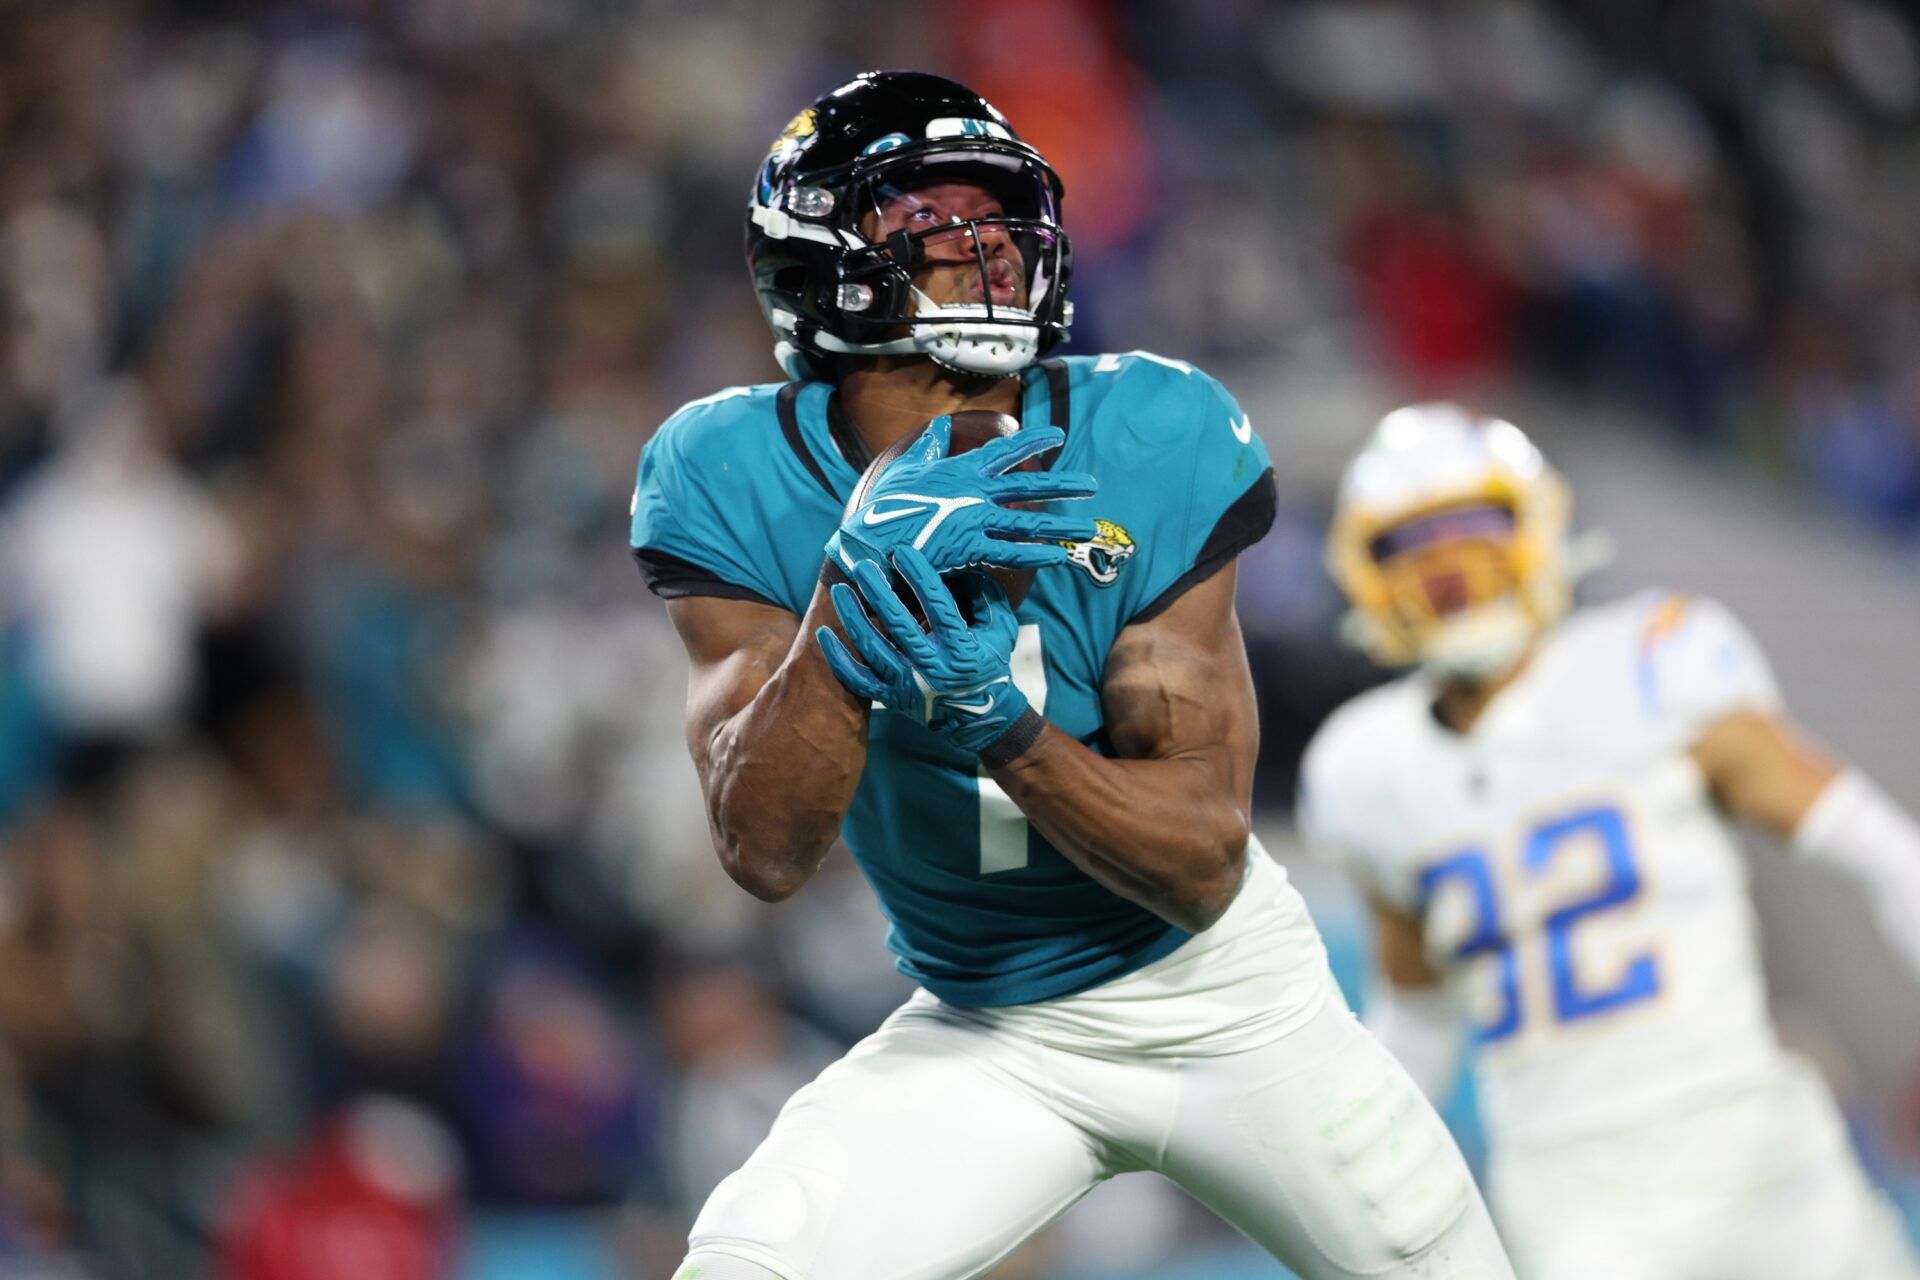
column 1540, row 815
column 1048, row 794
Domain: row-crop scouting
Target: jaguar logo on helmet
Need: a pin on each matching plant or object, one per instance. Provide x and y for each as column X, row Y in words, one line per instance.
column 798, row 130
column 792, row 141
column 1103, row 554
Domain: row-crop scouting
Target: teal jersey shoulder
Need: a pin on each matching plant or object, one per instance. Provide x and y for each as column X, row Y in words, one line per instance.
column 723, row 497
column 1175, row 452
column 737, row 496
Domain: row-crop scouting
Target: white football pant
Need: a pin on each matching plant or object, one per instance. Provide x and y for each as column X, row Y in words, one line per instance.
column 950, row 1136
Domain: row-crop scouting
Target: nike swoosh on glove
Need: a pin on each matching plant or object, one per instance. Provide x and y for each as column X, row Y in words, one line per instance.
column 954, row 677
column 955, row 512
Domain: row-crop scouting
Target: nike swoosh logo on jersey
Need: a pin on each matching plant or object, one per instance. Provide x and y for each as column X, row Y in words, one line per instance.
column 1243, row 429
column 874, row 516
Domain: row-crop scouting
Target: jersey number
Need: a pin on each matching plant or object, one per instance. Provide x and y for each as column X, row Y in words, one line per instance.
column 1003, row 827
column 1473, row 872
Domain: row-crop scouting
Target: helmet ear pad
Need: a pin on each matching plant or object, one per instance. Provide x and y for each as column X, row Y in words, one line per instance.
column 885, row 273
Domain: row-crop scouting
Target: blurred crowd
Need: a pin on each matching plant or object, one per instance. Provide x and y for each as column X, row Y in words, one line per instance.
column 356, row 911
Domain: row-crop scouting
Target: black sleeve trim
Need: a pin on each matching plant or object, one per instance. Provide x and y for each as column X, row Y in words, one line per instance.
column 1239, row 527
column 845, row 438
column 786, row 406
column 671, row 578
column 1059, row 393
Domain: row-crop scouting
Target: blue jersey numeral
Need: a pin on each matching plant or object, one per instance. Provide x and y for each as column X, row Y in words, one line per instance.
column 1472, row 869
column 1623, row 884
column 1473, row 872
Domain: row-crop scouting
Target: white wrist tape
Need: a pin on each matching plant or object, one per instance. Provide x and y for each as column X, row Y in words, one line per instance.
column 1419, row 1027
column 1858, row 828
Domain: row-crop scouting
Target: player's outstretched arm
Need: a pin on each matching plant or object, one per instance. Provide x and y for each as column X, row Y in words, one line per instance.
column 1166, row 823
column 778, row 743
column 1763, row 770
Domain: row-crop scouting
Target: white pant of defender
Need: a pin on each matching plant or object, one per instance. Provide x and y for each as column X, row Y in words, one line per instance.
column 1756, row 1185
column 948, row 1137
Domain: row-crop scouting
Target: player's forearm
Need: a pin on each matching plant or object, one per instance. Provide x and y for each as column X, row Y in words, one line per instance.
column 1165, row 833
column 780, row 773
column 1766, row 771
column 1858, row 829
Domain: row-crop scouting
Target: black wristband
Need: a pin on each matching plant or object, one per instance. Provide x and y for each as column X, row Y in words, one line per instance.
column 1013, row 744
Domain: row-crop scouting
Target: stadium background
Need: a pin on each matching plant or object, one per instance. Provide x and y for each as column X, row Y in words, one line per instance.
column 356, row 912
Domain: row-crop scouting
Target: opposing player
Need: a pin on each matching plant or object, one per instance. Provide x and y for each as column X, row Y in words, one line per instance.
column 1539, row 814
column 1050, row 796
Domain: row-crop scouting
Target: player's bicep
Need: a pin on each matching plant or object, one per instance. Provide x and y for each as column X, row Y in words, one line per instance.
column 1178, row 686
column 1762, row 768
column 733, row 648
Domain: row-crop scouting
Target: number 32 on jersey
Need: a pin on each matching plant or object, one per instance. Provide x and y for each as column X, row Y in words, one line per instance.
column 1464, row 889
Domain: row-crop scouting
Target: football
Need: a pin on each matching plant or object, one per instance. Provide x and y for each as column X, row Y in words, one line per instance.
column 971, row 429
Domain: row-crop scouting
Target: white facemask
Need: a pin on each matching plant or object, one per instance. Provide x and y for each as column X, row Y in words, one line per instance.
column 1478, row 644
column 971, row 342
column 964, row 340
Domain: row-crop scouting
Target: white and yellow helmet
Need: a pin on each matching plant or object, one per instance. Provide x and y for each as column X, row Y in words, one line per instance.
column 1443, row 494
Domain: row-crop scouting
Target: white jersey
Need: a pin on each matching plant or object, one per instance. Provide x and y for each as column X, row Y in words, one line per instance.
column 1579, row 891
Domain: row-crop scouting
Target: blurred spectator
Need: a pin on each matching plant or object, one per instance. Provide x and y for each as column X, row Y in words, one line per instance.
column 739, row 1059
column 386, row 1011
column 117, row 560
column 1439, row 308
column 552, row 1086
column 371, row 1195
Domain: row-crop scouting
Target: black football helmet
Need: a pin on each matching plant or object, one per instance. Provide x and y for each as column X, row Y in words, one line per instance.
column 829, row 290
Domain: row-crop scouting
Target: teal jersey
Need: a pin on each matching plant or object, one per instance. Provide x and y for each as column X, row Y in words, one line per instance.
column 738, row 494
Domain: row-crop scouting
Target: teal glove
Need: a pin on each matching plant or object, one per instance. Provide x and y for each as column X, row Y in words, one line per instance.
column 954, row 511
column 952, row 676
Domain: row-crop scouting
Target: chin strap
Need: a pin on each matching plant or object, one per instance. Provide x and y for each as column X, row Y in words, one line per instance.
column 795, row 363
